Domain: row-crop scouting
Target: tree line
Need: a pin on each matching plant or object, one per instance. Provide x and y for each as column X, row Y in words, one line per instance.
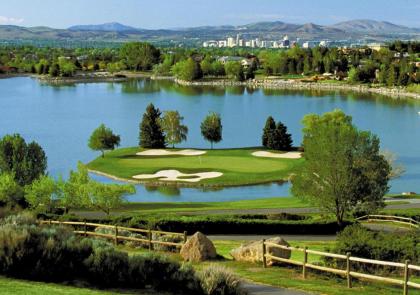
column 394, row 65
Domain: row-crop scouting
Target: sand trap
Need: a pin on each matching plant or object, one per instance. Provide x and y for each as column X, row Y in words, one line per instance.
column 162, row 152
column 174, row 175
column 288, row 155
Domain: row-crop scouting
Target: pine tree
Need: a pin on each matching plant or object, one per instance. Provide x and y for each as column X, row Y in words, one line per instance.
column 151, row 134
column 282, row 139
column 268, row 131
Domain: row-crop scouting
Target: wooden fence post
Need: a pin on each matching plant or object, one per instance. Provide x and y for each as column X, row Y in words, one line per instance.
column 406, row 276
column 185, row 237
column 85, row 234
column 348, row 269
column 264, row 252
column 116, row 235
column 305, row 261
column 150, row 240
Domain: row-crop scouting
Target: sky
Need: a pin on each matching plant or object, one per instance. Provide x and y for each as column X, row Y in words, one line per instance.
column 188, row 13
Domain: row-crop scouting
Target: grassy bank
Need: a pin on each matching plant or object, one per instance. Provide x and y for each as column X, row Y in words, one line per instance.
column 10, row 286
column 239, row 166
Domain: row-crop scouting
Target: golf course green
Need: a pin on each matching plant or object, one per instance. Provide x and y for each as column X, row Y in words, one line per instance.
column 234, row 167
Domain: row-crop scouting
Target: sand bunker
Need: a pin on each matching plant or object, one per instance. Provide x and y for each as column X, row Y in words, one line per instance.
column 288, row 155
column 162, row 152
column 175, row 175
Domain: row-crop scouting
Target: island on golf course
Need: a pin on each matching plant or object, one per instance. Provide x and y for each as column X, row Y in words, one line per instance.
column 193, row 167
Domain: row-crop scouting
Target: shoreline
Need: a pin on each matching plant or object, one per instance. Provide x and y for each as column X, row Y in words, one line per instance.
column 178, row 184
column 295, row 85
column 396, row 92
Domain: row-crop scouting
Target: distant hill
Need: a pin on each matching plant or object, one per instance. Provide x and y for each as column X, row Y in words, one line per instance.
column 107, row 27
column 372, row 26
column 354, row 29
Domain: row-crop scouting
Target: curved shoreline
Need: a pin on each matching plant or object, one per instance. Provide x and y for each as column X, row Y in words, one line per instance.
column 295, row 85
column 179, row 184
column 396, row 92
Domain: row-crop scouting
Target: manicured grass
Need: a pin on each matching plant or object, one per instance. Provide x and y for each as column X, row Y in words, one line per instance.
column 10, row 286
column 403, row 196
column 238, row 166
column 270, row 203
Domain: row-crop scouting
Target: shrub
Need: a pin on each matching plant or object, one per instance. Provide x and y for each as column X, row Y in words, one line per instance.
column 216, row 280
column 48, row 253
column 361, row 242
column 107, row 267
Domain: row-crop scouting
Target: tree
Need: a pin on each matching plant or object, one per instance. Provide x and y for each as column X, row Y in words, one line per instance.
column 275, row 136
column 10, row 190
column 187, row 70
column 83, row 192
column 282, row 140
column 26, row 162
column 269, row 129
column 103, row 139
column 151, row 134
column 106, row 197
column 171, row 124
column 211, row 128
column 344, row 171
column 42, row 193
column 139, row 56
column 76, row 189
column 234, row 70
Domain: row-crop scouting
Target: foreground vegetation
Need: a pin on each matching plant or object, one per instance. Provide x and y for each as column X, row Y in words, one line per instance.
column 238, row 166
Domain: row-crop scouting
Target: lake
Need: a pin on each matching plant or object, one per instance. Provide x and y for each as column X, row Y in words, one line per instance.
column 61, row 119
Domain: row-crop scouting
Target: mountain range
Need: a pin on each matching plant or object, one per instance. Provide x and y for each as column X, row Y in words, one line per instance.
column 353, row 29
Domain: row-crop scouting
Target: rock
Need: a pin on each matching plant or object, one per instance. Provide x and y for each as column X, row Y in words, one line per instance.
column 252, row 252
column 198, row 248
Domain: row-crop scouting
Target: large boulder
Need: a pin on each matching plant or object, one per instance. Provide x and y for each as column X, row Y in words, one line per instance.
column 198, row 248
column 253, row 251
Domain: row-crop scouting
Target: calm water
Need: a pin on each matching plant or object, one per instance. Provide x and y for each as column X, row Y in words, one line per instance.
column 62, row 118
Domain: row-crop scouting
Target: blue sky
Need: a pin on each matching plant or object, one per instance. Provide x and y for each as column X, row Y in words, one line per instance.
column 184, row 13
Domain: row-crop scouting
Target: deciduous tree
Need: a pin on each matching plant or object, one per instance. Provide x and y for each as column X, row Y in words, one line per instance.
column 103, row 139
column 211, row 128
column 175, row 131
column 344, row 171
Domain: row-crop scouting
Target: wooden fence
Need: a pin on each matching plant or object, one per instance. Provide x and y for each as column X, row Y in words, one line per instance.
column 116, row 237
column 389, row 218
column 347, row 272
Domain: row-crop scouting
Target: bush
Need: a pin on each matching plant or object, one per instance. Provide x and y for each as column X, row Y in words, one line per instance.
column 48, row 253
column 107, row 267
column 216, row 280
column 361, row 242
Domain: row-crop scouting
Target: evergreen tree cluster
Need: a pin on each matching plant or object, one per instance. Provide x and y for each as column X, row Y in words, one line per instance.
column 275, row 136
column 151, row 133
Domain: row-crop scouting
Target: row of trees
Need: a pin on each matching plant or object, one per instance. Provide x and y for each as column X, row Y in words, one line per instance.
column 24, row 182
column 157, row 131
column 395, row 65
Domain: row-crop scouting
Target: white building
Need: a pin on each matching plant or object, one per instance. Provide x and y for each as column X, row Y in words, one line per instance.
column 231, row 42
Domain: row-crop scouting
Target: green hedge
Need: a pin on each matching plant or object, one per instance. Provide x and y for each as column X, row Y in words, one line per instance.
column 224, row 224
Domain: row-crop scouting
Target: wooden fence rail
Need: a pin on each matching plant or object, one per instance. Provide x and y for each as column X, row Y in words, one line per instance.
column 116, row 229
column 347, row 272
column 389, row 218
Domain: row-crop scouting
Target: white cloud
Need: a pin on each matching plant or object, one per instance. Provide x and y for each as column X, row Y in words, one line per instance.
column 4, row 20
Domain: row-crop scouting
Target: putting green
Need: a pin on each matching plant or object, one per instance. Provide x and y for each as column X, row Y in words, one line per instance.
column 239, row 166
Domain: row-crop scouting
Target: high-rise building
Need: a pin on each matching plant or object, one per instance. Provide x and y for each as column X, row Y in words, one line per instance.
column 231, row 42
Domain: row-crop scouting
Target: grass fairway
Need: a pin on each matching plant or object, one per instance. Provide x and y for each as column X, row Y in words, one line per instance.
column 238, row 166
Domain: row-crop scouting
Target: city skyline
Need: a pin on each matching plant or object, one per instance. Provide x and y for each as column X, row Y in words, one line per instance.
column 142, row 14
